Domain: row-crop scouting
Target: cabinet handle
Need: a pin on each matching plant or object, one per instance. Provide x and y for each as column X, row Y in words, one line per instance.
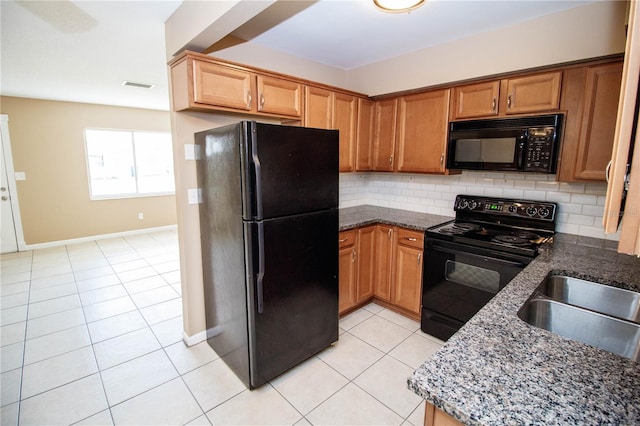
column 353, row 255
column 261, row 101
column 410, row 238
column 607, row 170
column 493, row 105
column 391, row 159
column 442, row 159
column 343, row 240
column 389, row 232
column 249, row 99
column 419, row 257
column 509, row 102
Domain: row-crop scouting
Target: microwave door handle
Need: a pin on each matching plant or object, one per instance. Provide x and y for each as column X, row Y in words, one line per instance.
column 519, row 157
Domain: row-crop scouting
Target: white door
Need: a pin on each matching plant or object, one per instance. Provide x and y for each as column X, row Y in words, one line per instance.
column 9, row 241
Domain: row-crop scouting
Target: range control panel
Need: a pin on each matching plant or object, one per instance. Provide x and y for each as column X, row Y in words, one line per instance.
column 539, row 210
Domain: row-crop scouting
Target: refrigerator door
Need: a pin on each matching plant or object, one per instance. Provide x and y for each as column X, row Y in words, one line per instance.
column 292, row 290
column 289, row 170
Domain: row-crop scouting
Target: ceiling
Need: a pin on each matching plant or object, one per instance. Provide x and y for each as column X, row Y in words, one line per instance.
column 82, row 51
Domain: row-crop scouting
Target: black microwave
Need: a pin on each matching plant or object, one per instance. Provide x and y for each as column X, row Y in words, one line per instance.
column 522, row 144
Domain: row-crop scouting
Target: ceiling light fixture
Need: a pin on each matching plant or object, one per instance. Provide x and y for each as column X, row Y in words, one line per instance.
column 398, row 6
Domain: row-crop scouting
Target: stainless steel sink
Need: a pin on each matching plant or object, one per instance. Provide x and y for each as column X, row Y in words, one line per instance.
column 597, row 297
column 596, row 314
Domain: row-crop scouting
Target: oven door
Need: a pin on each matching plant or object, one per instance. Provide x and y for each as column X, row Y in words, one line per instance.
column 458, row 280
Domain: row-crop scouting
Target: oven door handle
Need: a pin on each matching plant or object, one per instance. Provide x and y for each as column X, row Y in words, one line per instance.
column 477, row 256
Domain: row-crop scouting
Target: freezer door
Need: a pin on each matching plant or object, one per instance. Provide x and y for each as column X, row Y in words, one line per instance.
column 293, row 291
column 289, row 170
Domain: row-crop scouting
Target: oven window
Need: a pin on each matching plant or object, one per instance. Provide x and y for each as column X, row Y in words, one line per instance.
column 472, row 276
column 493, row 150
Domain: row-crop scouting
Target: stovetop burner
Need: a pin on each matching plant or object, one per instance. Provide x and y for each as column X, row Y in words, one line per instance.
column 469, row 227
column 512, row 240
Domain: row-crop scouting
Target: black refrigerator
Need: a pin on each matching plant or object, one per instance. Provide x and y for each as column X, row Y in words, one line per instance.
column 269, row 232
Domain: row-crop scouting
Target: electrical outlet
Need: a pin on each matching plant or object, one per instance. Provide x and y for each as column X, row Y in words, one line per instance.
column 140, row 216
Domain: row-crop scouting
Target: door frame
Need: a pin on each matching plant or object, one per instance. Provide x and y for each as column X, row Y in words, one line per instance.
column 11, row 181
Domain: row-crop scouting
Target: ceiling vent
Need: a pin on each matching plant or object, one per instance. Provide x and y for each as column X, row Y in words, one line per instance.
column 134, row 84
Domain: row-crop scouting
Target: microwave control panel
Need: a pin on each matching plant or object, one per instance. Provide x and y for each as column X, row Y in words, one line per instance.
column 540, row 149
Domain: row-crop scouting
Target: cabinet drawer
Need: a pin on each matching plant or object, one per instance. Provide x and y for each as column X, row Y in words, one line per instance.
column 410, row 238
column 347, row 238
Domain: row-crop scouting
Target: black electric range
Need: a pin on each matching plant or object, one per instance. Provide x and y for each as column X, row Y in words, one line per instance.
column 469, row 259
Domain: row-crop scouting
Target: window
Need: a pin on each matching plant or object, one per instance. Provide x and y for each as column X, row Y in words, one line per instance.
column 129, row 164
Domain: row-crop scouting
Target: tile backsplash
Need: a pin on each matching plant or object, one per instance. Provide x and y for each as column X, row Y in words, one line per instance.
column 580, row 205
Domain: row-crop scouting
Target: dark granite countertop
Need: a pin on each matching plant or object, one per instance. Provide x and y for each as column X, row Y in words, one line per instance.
column 499, row 370
column 353, row 217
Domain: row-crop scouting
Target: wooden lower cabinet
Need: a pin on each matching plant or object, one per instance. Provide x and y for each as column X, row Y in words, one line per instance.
column 384, row 258
column 347, row 270
column 382, row 262
column 407, row 280
column 436, row 417
column 365, row 263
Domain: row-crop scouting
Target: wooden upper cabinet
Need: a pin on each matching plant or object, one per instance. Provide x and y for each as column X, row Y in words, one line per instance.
column 590, row 97
column 475, row 100
column 203, row 84
column 364, row 135
column 345, row 119
column 318, row 106
column 325, row 109
column 540, row 92
column 422, row 132
column 384, row 135
column 518, row 95
column 221, row 86
column 279, row 96
column 602, row 92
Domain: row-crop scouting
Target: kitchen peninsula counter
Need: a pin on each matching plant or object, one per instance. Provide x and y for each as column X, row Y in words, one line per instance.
column 499, row 370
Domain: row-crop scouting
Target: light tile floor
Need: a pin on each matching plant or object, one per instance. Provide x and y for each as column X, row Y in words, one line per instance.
column 92, row 334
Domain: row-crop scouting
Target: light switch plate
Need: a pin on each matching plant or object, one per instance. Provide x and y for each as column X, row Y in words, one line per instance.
column 191, row 151
column 20, row 176
column 195, row 195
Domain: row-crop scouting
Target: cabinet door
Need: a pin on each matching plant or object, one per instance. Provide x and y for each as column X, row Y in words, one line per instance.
column 407, row 283
column 383, row 261
column 595, row 143
column 317, row 107
column 384, row 134
column 533, row 93
column 422, row 132
column 475, row 100
column 364, row 138
column 345, row 116
column 347, row 257
column 366, row 263
column 221, row 86
column 278, row 96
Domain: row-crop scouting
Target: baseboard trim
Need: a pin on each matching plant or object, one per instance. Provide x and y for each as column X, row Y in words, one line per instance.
column 195, row 339
column 95, row 237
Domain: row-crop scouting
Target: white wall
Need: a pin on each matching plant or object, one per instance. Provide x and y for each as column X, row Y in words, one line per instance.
column 589, row 31
column 580, row 205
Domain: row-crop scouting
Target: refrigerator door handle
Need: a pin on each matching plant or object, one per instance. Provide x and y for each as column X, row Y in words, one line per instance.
column 260, row 275
column 258, row 176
